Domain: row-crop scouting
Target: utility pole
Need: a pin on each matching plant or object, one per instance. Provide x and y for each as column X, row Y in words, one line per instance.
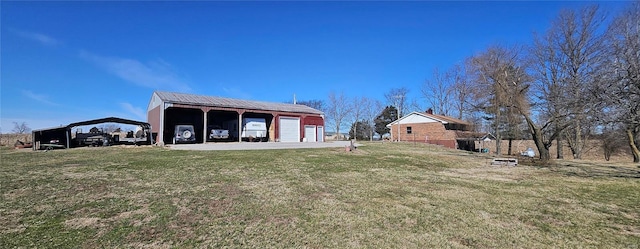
column 398, row 112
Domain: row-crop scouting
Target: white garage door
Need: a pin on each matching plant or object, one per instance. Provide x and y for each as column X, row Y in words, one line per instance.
column 289, row 129
column 320, row 134
column 310, row 133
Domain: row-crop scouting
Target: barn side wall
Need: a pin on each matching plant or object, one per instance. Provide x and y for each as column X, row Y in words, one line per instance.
column 310, row 120
column 153, row 118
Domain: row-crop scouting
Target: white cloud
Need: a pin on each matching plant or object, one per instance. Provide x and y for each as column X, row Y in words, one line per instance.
column 136, row 111
column 38, row 37
column 38, row 97
column 157, row 74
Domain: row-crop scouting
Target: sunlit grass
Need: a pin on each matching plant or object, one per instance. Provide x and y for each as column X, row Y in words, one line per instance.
column 380, row 196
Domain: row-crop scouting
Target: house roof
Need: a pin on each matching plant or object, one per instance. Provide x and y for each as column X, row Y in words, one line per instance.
column 474, row 136
column 438, row 118
column 450, row 120
column 193, row 99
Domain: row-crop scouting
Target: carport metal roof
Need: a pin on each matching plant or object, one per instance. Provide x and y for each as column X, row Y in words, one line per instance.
column 144, row 125
column 98, row 121
column 192, row 99
column 36, row 134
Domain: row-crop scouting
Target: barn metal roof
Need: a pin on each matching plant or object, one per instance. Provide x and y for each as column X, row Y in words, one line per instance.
column 193, row 99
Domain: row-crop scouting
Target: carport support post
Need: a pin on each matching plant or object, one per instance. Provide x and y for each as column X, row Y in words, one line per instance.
column 240, row 127
column 204, row 128
column 66, row 132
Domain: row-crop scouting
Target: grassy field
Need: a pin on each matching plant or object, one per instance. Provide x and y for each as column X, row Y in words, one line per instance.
column 380, row 196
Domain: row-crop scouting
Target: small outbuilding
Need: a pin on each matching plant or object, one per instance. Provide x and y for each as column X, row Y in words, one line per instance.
column 170, row 111
column 474, row 141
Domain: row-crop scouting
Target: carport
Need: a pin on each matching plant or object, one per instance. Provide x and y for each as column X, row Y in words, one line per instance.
column 62, row 135
column 284, row 122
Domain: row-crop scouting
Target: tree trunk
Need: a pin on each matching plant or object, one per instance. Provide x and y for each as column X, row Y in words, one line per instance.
column 542, row 149
column 544, row 153
column 510, row 143
column 632, row 143
column 537, row 136
column 355, row 132
column 577, row 151
column 498, row 135
column 559, row 148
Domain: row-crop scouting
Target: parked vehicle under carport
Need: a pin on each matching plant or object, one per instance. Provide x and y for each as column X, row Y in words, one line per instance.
column 184, row 134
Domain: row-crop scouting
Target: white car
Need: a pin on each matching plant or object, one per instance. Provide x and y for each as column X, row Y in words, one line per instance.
column 528, row 153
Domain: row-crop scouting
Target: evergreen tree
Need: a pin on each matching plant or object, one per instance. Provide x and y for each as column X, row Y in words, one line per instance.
column 388, row 115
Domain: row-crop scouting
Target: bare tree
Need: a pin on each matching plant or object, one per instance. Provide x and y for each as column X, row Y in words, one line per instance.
column 20, row 128
column 398, row 98
column 313, row 103
column 370, row 110
column 566, row 64
column 574, row 35
column 414, row 106
column 549, row 84
column 623, row 92
column 110, row 127
column 460, row 90
column 437, row 92
column 611, row 142
column 337, row 110
column 500, row 89
column 357, row 111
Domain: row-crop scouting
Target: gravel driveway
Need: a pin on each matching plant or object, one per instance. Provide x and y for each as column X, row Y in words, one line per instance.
column 258, row 146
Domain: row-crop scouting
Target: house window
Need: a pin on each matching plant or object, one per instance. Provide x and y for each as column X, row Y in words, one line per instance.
column 408, row 129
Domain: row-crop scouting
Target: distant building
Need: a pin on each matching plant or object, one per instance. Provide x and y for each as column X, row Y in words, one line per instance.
column 426, row 127
column 330, row 135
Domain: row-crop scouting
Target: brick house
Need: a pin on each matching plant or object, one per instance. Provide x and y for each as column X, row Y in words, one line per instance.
column 426, row 127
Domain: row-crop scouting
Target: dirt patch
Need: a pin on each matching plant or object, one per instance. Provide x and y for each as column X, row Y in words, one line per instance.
column 78, row 223
column 584, row 168
column 17, row 193
column 219, row 207
column 628, row 230
column 155, row 245
column 503, row 174
column 144, row 211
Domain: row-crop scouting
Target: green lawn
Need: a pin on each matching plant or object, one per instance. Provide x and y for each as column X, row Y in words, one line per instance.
column 380, row 196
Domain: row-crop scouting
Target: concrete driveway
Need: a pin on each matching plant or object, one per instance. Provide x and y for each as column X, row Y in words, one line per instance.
column 258, row 146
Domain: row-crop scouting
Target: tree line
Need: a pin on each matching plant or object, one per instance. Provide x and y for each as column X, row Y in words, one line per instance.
column 576, row 81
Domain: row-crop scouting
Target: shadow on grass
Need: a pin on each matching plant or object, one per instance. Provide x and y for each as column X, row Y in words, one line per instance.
column 586, row 168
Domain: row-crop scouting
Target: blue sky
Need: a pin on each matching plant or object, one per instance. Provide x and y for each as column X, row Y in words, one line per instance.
column 63, row 62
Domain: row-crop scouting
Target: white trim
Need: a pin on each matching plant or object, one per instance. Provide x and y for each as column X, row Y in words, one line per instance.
column 416, row 113
column 161, row 130
column 320, row 135
column 154, row 102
